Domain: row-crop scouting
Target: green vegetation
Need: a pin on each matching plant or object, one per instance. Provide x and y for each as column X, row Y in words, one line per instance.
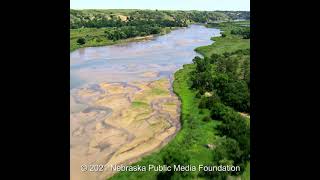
column 229, row 43
column 81, row 41
column 106, row 27
column 227, row 76
column 243, row 31
column 139, row 104
column 158, row 91
column 103, row 36
column 132, row 17
column 212, row 89
column 189, row 146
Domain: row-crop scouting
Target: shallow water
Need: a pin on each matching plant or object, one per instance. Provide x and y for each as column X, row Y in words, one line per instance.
column 104, row 128
column 161, row 55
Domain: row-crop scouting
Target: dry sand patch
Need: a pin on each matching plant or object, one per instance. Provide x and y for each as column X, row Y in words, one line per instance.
column 122, row 123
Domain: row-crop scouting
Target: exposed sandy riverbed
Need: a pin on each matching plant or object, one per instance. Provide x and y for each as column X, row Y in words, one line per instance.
column 118, row 122
column 121, row 100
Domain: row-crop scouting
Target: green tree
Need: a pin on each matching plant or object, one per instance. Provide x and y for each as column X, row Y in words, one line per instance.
column 81, row 41
column 175, row 157
column 218, row 110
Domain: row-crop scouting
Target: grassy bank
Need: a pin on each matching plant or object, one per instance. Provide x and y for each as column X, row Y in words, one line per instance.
column 191, row 144
column 97, row 37
column 229, row 43
column 192, row 138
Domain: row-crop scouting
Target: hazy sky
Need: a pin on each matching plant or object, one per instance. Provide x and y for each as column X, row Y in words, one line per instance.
column 208, row 5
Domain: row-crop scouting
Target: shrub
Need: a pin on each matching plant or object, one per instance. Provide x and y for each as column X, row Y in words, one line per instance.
column 206, row 119
column 81, row 41
column 218, row 110
column 207, row 102
column 175, row 157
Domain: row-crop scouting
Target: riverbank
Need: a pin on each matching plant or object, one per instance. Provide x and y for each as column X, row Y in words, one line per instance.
column 95, row 37
column 229, row 43
column 106, row 128
column 190, row 141
column 194, row 142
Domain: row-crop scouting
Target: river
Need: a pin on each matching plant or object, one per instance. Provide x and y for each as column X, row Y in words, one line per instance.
column 121, row 103
column 123, row 63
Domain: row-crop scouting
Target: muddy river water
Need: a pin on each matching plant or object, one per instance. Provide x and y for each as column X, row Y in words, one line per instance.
column 121, row 103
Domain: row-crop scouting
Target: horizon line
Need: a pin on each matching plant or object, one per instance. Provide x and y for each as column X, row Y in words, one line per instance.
column 153, row 9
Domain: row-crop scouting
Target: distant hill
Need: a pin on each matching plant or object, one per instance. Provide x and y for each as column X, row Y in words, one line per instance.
column 119, row 17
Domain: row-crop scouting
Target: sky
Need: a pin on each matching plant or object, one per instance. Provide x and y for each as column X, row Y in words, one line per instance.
column 206, row 5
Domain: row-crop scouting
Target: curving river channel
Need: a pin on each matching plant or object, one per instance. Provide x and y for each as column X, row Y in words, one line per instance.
column 121, row 101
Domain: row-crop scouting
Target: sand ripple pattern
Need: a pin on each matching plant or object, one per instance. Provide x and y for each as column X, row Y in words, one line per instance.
column 117, row 123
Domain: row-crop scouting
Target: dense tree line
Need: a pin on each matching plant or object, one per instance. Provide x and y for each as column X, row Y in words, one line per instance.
column 234, row 146
column 131, row 31
column 244, row 32
column 226, row 76
column 234, row 15
column 131, row 28
column 123, row 32
column 223, row 85
column 99, row 23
